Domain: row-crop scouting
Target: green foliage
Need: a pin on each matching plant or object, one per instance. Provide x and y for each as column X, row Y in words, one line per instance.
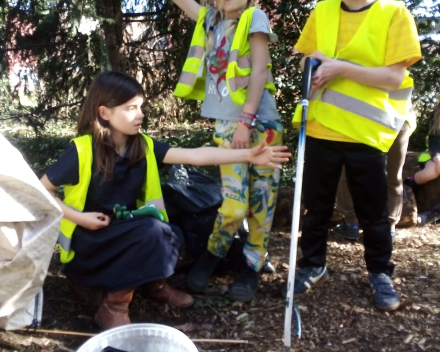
column 191, row 138
column 42, row 150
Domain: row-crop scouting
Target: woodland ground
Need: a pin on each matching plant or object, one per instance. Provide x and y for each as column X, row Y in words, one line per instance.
column 338, row 316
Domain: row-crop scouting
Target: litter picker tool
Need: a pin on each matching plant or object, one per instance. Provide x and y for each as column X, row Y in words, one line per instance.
column 309, row 66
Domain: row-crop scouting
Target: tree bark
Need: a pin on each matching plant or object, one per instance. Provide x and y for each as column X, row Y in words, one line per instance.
column 113, row 32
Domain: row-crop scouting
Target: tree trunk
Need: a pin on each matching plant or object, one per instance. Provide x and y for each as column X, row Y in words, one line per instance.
column 113, row 32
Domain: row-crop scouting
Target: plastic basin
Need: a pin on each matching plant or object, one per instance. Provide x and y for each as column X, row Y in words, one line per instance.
column 140, row 338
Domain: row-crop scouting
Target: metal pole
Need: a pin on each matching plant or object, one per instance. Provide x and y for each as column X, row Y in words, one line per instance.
column 308, row 67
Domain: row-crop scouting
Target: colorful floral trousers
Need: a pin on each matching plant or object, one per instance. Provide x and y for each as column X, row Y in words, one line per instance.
column 248, row 191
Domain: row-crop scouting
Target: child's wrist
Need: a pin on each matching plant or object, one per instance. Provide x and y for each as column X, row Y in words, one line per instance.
column 343, row 68
column 248, row 119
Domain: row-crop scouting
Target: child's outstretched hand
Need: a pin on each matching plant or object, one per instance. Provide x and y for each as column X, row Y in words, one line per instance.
column 264, row 155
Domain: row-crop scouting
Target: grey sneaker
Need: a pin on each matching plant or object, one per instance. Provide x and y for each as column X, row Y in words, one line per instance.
column 349, row 232
column 308, row 278
column 305, row 279
column 384, row 294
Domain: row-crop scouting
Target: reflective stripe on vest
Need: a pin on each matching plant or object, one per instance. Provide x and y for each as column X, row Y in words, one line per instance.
column 191, row 83
column 366, row 114
column 239, row 61
column 75, row 196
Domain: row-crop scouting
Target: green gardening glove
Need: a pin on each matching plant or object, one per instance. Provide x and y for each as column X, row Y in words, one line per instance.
column 148, row 210
column 121, row 212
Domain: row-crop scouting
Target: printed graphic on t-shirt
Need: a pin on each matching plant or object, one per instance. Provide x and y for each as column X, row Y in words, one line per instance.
column 217, row 66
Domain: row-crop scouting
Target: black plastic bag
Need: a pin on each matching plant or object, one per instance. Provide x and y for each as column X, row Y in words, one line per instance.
column 192, row 200
column 192, row 190
column 197, row 228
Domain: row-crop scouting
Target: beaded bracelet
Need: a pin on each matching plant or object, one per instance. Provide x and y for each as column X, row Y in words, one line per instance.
column 248, row 115
column 247, row 119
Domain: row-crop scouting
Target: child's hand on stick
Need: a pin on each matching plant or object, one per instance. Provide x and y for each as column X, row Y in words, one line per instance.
column 264, row 155
column 329, row 70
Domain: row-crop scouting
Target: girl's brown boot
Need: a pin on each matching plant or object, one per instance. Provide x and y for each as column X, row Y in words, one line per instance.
column 161, row 292
column 113, row 310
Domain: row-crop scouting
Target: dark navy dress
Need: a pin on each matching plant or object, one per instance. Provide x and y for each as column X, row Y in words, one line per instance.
column 128, row 252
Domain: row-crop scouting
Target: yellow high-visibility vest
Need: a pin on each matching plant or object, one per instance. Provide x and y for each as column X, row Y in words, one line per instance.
column 369, row 115
column 191, row 83
column 75, row 195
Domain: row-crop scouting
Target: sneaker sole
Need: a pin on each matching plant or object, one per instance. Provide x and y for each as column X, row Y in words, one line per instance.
column 389, row 308
column 320, row 282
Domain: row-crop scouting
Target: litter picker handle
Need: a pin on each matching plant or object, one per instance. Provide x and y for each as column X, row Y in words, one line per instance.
column 310, row 65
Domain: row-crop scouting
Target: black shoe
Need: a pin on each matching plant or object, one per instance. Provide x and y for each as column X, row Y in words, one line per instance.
column 246, row 285
column 411, row 182
column 201, row 272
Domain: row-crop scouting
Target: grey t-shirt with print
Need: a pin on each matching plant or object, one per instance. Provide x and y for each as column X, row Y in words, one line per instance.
column 218, row 103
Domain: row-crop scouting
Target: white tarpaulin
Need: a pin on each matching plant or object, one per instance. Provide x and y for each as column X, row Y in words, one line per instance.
column 29, row 226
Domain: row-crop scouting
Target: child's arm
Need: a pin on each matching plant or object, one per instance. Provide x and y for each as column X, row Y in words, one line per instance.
column 90, row 221
column 260, row 155
column 190, row 7
column 258, row 78
column 386, row 77
column 436, row 160
column 259, row 59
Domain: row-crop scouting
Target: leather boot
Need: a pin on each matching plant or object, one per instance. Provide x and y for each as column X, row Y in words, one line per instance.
column 161, row 292
column 113, row 310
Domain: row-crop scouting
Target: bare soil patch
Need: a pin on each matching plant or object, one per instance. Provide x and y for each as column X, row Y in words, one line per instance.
column 338, row 316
